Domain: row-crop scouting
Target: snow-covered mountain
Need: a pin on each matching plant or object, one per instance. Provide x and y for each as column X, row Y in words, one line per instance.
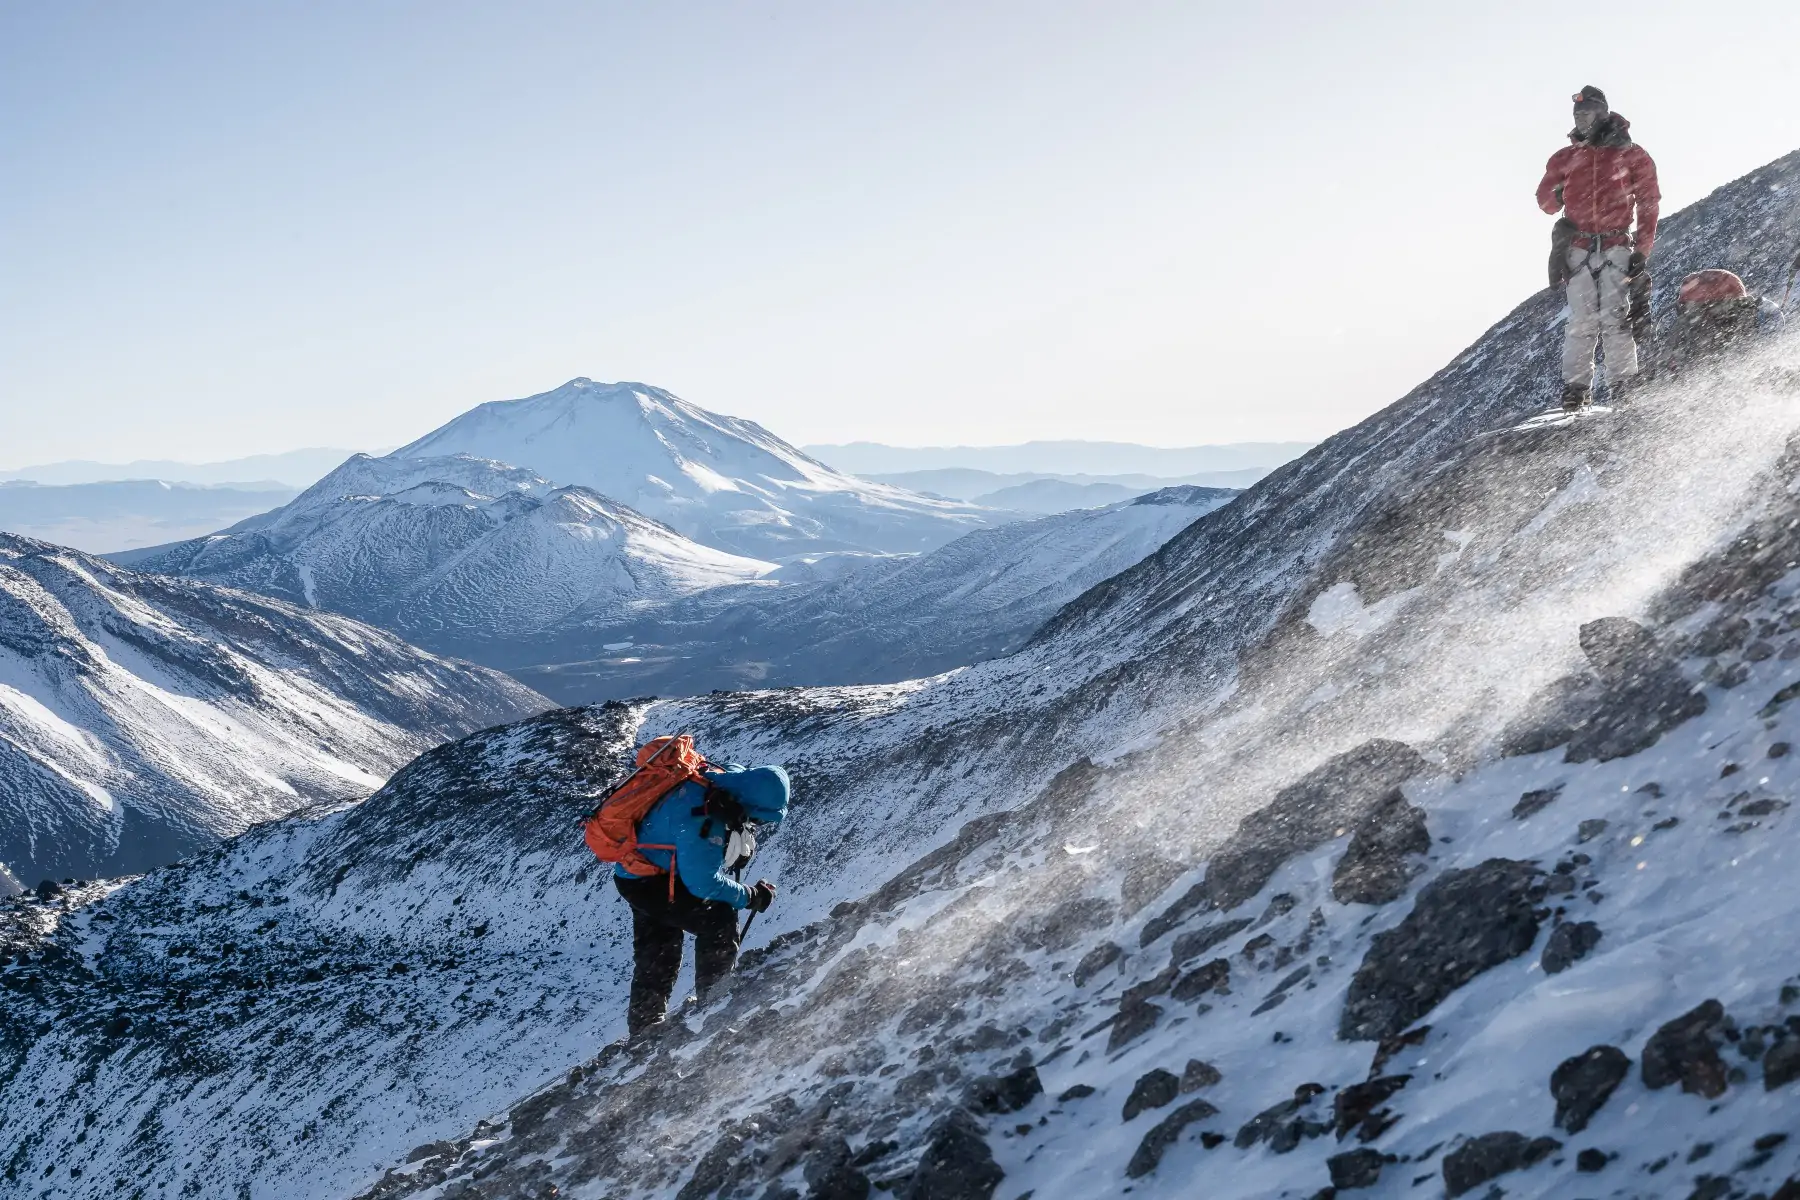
column 723, row 481
column 1416, row 824
column 143, row 718
column 455, row 553
column 877, row 619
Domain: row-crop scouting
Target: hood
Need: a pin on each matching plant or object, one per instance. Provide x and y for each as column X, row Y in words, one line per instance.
column 1613, row 131
column 763, row 791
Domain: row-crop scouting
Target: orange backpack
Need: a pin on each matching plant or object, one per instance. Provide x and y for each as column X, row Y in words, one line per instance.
column 663, row 764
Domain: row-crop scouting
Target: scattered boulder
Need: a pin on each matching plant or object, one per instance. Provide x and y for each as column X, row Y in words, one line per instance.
column 1635, row 695
column 1153, row 1089
column 1214, row 976
column 1374, row 869
column 1164, row 1134
column 1463, row 923
column 1358, row 1107
column 1781, row 1063
column 1194, row 900
column 1195, row 942
column 831, row 1175
column 1535, row 802
column 1568, row 944
column 1077, row 1092
column 1590, row 829
column 1490, row 1156
column 1355, row 1169
column 1197, row 1075
column 1683, row 1051
column 958, row 1165
column 1591, row 1161
column 1581, row 1085
column 1137, row 1015
column 1284, row 1126
column 1095, row 961
column 48, row 889
column 1337, row 794
column 1004, row 1093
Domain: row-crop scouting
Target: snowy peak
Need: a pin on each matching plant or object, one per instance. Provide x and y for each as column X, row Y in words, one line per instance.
column 721, row 480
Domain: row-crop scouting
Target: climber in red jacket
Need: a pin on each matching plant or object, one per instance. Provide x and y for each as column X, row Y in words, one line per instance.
column 1601, row 180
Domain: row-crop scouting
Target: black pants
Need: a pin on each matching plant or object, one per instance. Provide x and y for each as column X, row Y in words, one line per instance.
column 658, row 925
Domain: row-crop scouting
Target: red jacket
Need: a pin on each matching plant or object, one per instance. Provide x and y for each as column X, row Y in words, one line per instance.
column 1599, row 182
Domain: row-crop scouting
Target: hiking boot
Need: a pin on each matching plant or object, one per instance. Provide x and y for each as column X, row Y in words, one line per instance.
column 1574, row 397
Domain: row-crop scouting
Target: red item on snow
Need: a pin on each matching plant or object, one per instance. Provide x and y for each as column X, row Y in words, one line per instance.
column 1714, row 283
column 1601, row 181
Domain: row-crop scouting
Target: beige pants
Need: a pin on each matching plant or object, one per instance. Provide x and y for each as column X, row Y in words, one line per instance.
column 1599, row 311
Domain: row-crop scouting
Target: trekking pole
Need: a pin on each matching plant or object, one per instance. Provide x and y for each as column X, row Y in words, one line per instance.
column 745, row 931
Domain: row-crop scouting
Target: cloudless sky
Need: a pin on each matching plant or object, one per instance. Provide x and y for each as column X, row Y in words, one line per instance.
column 230, row 228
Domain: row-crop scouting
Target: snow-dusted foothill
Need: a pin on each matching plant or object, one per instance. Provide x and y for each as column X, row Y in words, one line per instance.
column 462, row 555
column 871, row 619
column 1215, row 885
column 723, row 481
column 143, row 717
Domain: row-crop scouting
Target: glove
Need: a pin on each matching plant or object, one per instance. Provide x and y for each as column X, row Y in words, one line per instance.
column 762, row 894
column 1636, row 266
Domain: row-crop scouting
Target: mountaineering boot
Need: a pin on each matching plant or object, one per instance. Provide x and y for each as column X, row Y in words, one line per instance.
column 1574, row 397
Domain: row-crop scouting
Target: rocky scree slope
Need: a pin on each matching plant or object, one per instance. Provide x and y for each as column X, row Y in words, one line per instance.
column 462, row 555
column 882, row 620
column 142, row 717
column 1137, row 815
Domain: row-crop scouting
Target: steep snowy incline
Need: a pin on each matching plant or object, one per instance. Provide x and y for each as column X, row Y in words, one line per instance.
column 461, row 555
column 882, row 620
column 720, row 480
column 142, row 718
column 1200, row 817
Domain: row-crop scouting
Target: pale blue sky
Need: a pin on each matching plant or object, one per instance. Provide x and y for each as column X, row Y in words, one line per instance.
column 242, row 227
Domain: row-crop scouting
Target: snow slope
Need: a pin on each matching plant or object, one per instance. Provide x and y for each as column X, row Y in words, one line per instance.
column 723, row 481
column 877, row 620
column 1176, row 832
column 455, row 553
column 142, row 718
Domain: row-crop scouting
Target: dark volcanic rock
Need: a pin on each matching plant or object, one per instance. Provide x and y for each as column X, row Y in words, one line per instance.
column 1683, row 1051
column 1095, row 961
column 1005, row 1093
column 1284, row 1126
column 1153, row 1089
column 1781, row 1064
column 1568, row 944
column 1355, row 1168
column 1374, row 869
column 1359, row 1106
column 1491, row 1155
column 1195, row 942
column 1590, row 1161
column 1341, row 792
column 1163, row 1135
column 1214, row 976
column 1581, row 1085
column 1197, row 1075
column 1462, row 924
column 1535, row 802
column 830, row 1174
column 957, row 1165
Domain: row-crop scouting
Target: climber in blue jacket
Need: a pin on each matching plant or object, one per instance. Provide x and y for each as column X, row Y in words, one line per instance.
column 713, row 834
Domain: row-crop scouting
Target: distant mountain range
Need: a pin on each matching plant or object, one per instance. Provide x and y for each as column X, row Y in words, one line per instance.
column 878, row 619
column 126, row 514
column 1039, row 492
column 143, row 718
column 295, row 469
column 1062, row 458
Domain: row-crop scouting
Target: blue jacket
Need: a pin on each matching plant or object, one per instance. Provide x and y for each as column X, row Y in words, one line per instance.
column 700, row 861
